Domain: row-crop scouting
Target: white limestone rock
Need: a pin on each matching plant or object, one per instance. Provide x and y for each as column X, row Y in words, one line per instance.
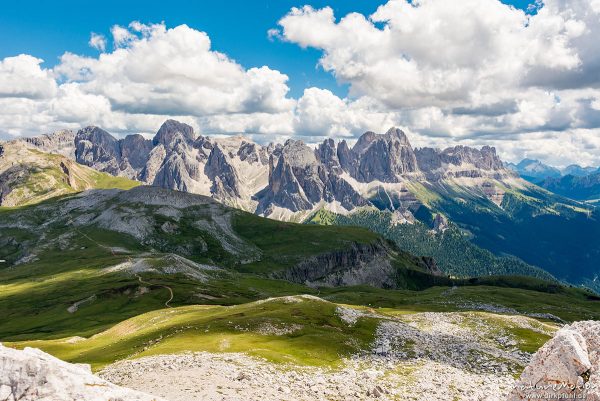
column 33, row 375
column 566, row 366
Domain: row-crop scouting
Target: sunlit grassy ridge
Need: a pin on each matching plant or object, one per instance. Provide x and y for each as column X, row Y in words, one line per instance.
column 42, row 176
column 69, row 264
column 295, row 329
column 299, row 330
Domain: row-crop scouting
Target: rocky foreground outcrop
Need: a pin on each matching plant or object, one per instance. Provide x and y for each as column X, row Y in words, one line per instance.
column 566, row 367
column 31, row 374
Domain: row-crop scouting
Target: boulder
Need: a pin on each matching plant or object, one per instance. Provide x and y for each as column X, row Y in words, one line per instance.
column 33, row 375
column 566, row 367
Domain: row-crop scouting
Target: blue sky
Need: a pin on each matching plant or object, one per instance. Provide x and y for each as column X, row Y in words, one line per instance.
column 47, row 29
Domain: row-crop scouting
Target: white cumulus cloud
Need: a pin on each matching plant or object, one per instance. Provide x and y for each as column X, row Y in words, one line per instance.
column 97, row 41
column 22, row 77
column 468, row 70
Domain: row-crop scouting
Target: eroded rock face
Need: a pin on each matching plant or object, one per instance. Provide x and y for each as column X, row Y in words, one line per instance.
column 362, row 264
column 301, row 177
column 135, row 149
column 96, row 148
column 566, row 366
column 60, row 142
column 226, row 183
column 328, row 156
column 384, row 157
column 33, row 375
column 460, row 161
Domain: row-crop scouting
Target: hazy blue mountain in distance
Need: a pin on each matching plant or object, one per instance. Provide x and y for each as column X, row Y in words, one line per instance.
column 534, row 170
column 574, row 181
column 578, row 171
column 584, row 188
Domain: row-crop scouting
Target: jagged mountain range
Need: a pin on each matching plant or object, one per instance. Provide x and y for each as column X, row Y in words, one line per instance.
column 470, row 190
column 285, row 181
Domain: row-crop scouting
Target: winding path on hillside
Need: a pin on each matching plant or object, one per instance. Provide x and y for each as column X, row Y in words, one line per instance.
column 157, row 285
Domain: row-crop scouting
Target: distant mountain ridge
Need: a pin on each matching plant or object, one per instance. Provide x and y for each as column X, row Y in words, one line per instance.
column 586, row 188
column 277, row 180
column 573, row 181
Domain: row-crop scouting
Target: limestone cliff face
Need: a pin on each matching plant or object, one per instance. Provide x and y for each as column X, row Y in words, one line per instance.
column 461, row 161
column 327, row 155
column 299, row 179
column 60, row 142
column 96, row 148
column 135, row 150
column 226, row 183
column 385, row 158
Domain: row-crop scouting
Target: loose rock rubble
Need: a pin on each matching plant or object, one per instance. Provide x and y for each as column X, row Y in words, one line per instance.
column 33, row 375
column 437, row 356
column 349, row 315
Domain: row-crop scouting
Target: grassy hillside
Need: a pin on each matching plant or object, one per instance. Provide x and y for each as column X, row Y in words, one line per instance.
column 306, row 330
column 80, row 264
column 110, row 275
column 28, row 176
column 289, row 329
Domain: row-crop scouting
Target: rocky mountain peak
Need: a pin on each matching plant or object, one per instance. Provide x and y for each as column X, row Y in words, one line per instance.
column 327, row 153
column 384, row 157
column 170, row 130
column 364, row 141
column 95, row 135
column 298, row 154
column 396, row 134
column 95, row 147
